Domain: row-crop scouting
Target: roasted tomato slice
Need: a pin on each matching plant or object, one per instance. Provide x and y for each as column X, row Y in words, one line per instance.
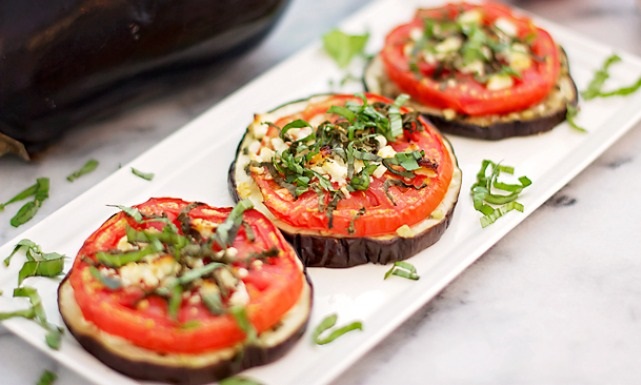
column 326, row 166
column 476, row 59
column 134, row 298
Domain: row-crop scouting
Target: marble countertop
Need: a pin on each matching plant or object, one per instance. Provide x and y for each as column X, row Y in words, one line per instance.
column 556, row 301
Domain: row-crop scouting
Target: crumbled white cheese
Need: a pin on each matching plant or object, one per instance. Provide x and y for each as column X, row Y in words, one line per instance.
column 239, row 297
column 380, row 170
column 336, row 170
column 473, row 16
column 259, row 130
column 266, row 154
column 149, row 274
column 124, row 245
column 204, row 227
column 226, row 278
column 242, row 272
column 449, row 114
column 253, row 148
column 386, row 152
column 278, row 144
column 506, row 26
column 358, row 165
column 416, row 34
column 299, row 133
column 405, row 231
column 518, row 60
column 475, row 67
column 450, row 44
column 499, row 82
column 382, row 141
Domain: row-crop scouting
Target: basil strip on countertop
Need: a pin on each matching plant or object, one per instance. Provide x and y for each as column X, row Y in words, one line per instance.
column 39, row 191
column 88, row 167
column 47, row 378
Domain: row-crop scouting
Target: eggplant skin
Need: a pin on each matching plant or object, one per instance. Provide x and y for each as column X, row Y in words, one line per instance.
column 322, row 250
column 77, row 60
column 182, row 369
column 537, row 119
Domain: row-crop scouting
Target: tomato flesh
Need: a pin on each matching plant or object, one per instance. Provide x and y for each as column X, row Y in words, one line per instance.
column 382, row 215
column 143, row 319
column 467, row 95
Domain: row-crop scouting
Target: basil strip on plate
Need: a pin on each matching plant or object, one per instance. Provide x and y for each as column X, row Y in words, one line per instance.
column 404, row 270
column 328, row 323
column 486, row 198
column 142, row 174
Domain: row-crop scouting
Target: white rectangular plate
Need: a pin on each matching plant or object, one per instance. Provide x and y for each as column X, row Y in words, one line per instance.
column 192, row 164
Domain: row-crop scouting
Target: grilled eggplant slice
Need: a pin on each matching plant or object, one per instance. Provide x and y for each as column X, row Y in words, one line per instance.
column 121, row 310
column 476, row 69
column 327, row 248
column 538, row 118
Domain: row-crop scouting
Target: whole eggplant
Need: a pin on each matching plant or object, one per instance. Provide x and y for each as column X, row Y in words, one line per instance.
column 62, row 61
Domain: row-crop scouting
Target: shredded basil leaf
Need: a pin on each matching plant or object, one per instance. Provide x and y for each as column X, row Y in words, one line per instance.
column 53, row 336
column 26, row 245
column 343, row 47
column 24, row 194
column 403, row 269
column 88, row 167
column 131, row 211
column 328, row 323
column 226, row 231
column 494, row 198
column 38, row 263
column 142, row 174
column 39, row 191
column 119, row 259
column 109, row 282
column 600, row 76
column 47, row 378
column 396, row 121
column 44, row 268
column 29, row 313
column 240, row 315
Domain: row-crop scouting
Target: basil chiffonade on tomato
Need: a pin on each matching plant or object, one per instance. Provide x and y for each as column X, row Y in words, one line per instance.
column 477, row 69
column 186, row 293
column 349, row 179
